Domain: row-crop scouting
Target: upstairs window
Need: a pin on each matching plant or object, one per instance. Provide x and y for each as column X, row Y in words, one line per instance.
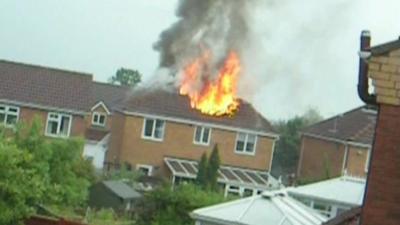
column 246, row 143
column 99, row 119
column 8, row 115
column 153, row 129
column 202, row 135
column 58, row 125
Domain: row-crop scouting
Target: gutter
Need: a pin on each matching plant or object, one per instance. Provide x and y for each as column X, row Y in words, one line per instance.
column 363, row 84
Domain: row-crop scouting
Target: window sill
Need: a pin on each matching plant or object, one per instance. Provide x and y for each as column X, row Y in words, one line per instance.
column 152, row 139
column 55, row 136
column 245, row 153
column 201, row 144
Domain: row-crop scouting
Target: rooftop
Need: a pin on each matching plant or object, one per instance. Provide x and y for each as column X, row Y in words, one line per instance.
column 121, row 189
column 46, row 87
column 271, row 208
column 348, row 190
column 171, row 105
column 385, row 48
column 357, row 125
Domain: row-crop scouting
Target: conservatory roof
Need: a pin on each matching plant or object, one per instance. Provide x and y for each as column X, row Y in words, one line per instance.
column 227, row 174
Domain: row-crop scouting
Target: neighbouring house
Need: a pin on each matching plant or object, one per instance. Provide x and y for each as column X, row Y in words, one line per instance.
column 331, row 197
column 157, row 132
column 337, row 146
column 68, row 104
column 270, row 208
column 381, row 64
column 113, row 194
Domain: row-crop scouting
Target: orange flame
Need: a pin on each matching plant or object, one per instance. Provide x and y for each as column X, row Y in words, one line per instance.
column 214, row 97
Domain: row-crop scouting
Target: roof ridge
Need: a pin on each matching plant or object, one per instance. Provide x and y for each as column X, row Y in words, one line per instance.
column 110, row 84
column 48, row 68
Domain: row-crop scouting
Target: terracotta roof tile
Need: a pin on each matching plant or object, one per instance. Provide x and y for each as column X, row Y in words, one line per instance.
column 44, row 86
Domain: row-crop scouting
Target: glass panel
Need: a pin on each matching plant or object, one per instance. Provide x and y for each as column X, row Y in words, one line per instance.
column 2, row 117
column 12, row 109
column 206, row 134
column 240, row 142
column 54, row 116
column 247, row 192
column 197, row 135
column 148, row 129
column 102, row 119
column 11, row 119
column 2, row 108
column 251, row 140
column 159, row 131
column 64, row 128
column 52, row 127
column 95, row 118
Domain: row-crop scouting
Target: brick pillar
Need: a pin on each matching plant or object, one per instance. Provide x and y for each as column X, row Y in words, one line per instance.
column 382, row 200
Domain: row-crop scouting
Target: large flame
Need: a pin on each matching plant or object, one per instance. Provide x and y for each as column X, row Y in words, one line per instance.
column 214, row 97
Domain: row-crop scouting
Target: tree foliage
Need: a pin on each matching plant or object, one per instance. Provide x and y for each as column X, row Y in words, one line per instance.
column 36, row 170
column 287, row 149
column 212, row 169
column 126, row 77
column 201, row 178
column 165, row 206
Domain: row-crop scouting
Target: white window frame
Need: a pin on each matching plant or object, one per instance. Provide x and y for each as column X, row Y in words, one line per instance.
column 60, row 115
column 97, row 123
column 367, row 162
column 244, row 152
column 147, row 167
column 202, row 135
column 152, row 137
column 7, row 112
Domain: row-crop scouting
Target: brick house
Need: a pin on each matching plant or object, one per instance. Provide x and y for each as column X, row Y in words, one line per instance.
column 337, row 146
column 68, row 103
column 158, row 132
column 382, row 64
column 153, row 131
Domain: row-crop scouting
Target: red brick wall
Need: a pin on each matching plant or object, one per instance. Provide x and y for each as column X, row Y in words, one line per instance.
column 382, row 201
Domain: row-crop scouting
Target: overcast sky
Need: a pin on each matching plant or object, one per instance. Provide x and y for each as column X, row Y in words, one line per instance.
column 312, row 44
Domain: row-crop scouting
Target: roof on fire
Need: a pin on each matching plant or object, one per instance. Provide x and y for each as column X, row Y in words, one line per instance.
column 357, row 125
column 275, row 207
column 171, row 105
column 44, row 87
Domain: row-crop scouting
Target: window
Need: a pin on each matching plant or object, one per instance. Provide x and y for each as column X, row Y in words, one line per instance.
column 246, row 143
column 153, row 129
column 145, row 169
column 99, row 119
column 8, row 115
column 58, row 125
column 202, row 135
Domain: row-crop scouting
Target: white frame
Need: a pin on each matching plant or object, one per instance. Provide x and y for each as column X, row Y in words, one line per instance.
column 144, row 166
column 60, row 115
column 202, row 135
column 368, row 161
column 244, row 152
column 6, row 113
column 98, row 114
column 101, row 103
column 153, row 130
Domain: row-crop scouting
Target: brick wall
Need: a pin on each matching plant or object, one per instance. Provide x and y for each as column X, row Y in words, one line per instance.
column 385, row 72
column 127, row 145
column 356, row 161
column 382, row 201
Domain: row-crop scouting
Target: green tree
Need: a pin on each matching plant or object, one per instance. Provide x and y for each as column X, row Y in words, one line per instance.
column 36, row 170
column 165, row 206
column 201, row 178
column 212, row 169
column 287, row 150
column 126, row 77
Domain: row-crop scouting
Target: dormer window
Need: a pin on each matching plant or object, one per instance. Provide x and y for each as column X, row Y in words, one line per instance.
column 99, row 119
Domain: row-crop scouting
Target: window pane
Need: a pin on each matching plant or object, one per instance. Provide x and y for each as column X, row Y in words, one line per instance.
column 95, row 118
column 159, row 131
column 206, row 133
column 52, row 127
column 2, row 108
column 102, row 119
column 64, row 128
column 240, row 142
column 2, row 117
column 148, row 128
column 251, row 140
column 13, row 110
column 53, row 116
column 197, row 136
column 11, row 119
